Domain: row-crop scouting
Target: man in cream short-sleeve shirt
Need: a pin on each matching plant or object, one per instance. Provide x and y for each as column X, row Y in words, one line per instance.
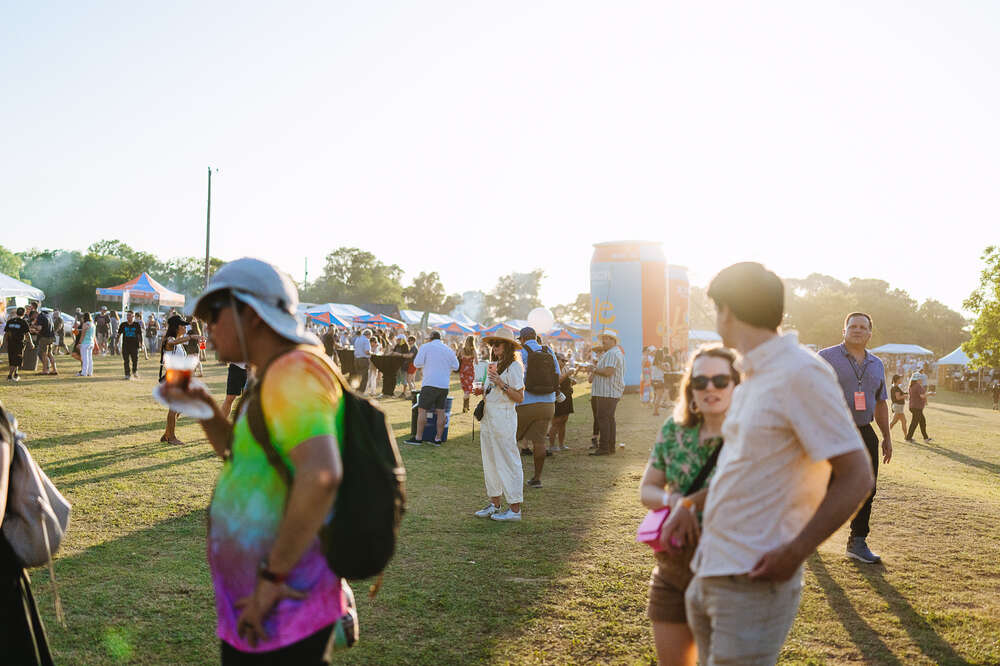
column 772, row 500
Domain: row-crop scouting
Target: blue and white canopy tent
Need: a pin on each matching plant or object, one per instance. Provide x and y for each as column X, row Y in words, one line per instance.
column 142, row 289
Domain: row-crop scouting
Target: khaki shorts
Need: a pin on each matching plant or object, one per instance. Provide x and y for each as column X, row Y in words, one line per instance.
column 45, row 346
column 533, row 421
column 897, row 408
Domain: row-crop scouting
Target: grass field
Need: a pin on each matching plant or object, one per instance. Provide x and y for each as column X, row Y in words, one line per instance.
column 566, row 585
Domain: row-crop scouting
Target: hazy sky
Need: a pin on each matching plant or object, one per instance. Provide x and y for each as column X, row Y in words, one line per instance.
column 478, row 138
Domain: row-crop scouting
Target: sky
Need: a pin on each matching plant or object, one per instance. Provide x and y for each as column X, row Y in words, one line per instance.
column 480, row 138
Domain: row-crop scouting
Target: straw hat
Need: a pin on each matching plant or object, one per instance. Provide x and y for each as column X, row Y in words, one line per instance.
column 503, row 334
column 611, row 333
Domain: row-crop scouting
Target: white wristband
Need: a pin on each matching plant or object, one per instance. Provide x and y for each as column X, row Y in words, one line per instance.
column 666, row 497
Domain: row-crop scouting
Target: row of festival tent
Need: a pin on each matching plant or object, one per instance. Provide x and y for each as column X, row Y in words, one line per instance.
column 332, row 314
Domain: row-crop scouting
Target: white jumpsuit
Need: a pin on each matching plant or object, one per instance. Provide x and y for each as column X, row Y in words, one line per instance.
column 498, row 440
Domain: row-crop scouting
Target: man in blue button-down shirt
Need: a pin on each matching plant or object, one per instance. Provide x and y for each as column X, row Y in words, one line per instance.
column 862, row 377
column 535, row 412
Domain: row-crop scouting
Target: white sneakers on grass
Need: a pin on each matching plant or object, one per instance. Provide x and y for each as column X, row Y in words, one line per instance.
column 494, row 513
column 487, row 511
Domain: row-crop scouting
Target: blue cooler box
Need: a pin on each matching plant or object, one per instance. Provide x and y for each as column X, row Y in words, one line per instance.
column 430, row 430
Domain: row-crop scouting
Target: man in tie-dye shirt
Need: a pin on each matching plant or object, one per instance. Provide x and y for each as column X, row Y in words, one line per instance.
column 275, row 595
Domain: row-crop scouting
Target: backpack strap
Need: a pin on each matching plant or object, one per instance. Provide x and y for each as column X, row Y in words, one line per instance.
column 255, row 411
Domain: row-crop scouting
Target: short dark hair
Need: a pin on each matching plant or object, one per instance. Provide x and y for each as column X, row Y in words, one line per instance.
column 20, row 312
column 435, row 335
column 896, row 378
column 755, row 295
column 848, row 318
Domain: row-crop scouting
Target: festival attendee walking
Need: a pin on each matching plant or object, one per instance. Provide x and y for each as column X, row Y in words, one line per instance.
column 59, row 330
column 174, row 340
column 102, row 323
column 685, row 453
column 15, row 333
column 498, row 440
column 607, row 388
column 87, row 335
column 918, row 401
column 535, row 412
column 130, row 332
column 437, row 361
column 46, row 339
column 773, row 498
column 276, row 598
column 898, row 398
column 564, row 407
column 467, row 369
column 362, row 360
column 861, row 375
column 660, row 364
column 152, row 328
column 113, row 343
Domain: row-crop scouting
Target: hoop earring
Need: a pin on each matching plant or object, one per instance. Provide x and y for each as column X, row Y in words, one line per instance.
column 693, row 406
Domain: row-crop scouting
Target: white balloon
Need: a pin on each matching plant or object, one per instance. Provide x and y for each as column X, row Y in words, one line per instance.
column 541, row 320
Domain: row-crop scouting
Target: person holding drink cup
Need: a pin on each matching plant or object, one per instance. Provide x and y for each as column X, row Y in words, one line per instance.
column 176, row 367
column 501, row 459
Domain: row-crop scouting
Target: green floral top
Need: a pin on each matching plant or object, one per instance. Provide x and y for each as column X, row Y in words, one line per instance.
column 678, row 454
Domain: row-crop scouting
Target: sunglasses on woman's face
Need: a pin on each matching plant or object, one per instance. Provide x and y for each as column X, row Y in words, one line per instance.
column 700, row 382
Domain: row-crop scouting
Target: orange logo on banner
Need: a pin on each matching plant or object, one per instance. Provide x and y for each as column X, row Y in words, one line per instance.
column 604, row 311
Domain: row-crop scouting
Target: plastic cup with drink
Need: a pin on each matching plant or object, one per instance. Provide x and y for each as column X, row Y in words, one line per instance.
column 178, row 370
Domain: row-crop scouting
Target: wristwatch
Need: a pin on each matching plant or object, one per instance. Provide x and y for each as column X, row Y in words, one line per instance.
column 268, row 575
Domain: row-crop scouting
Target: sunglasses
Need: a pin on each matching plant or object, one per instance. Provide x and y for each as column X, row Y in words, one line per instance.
column 216, row 305
column 700, row 382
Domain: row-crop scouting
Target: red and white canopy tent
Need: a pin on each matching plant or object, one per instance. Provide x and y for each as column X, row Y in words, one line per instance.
column 142, row 289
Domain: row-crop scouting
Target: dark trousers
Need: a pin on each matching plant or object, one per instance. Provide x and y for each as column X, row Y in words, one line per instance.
column 859, row 526
column 361, row 372
column 310, row 651
column 606, row 423
column 917, row 417
column 597, row 427
column 130, row 352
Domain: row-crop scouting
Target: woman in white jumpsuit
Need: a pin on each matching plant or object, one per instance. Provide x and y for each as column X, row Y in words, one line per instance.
column 501, row 458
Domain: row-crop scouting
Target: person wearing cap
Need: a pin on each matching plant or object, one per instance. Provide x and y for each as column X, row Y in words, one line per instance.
column 792, row 470
column 102, row 323
column 276, row 598
column 607, row 388
column 362, row 359
column 535, row 412
column 437, row 361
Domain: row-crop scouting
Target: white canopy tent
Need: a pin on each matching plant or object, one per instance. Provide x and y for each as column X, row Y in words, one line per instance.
column 11, row 288
column 903, row 350
column 957, row 357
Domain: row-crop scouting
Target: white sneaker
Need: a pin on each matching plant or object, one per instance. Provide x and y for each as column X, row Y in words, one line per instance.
column 487, row 511
column 509, row 514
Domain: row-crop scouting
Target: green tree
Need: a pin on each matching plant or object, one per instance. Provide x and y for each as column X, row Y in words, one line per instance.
column 701, row 310
column 186, row 275
column 355, row 276
column 984, row 344
column 578, row 310
column 425, row 293
column 10, row 263
column 515, row 295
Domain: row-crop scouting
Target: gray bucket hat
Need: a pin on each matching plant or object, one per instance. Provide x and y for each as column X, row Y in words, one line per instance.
column 266, row 289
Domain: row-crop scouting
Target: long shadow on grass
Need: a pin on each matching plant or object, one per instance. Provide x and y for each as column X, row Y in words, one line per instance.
column 145, row 597
column 992, row 468
column 77, row 437
column 205, row 454
column 920, row 630
column 865, row 638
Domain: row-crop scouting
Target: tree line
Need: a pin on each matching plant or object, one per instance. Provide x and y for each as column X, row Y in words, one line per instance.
column 350, row 275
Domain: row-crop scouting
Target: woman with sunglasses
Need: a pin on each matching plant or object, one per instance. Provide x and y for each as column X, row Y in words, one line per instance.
column 498, row 439
column 686, row 445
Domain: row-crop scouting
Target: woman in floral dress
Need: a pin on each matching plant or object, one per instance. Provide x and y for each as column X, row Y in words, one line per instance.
column 467, row 369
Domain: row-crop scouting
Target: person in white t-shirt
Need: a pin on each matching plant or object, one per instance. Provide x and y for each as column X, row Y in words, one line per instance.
column 792, row 470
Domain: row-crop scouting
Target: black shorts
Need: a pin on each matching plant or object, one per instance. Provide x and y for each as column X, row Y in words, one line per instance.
column 236, row 381
column 432, row 397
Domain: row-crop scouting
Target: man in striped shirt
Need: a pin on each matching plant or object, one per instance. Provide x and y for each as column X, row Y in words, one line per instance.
column 607, row 387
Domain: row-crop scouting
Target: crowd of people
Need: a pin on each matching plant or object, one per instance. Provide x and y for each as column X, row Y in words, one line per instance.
column 768, row 449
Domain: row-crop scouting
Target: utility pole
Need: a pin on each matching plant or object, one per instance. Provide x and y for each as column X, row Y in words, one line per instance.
column 208, row 225
column 305, row 278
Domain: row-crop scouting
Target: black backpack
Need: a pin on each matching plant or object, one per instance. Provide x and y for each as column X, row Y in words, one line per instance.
column 540, row 376
column 360, row 538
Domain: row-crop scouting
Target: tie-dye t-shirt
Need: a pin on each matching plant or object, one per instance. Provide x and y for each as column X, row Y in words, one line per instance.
column 300, row 400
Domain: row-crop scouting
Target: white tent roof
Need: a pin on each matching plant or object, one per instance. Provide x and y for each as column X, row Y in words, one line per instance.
column 413, row 317
column 896, row 348
column 957, row 357
column 10, row 288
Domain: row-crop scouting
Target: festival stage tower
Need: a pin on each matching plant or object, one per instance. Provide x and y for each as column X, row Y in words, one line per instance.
column 628, row 292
